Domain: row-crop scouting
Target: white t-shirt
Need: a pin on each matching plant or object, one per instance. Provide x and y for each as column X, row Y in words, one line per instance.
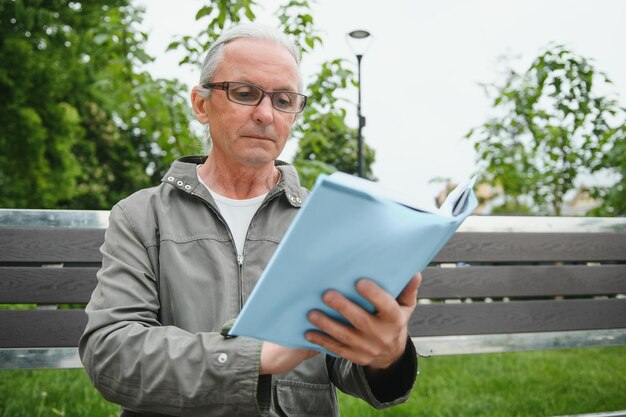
column 237, row 213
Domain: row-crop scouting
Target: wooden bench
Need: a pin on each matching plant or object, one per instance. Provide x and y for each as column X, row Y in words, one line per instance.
column 501, row 284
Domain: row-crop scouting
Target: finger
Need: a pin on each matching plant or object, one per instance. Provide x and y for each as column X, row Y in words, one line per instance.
column 408, row 297
column 352, row 312
column 384, row 302
column 318, row 338
column 343, row 334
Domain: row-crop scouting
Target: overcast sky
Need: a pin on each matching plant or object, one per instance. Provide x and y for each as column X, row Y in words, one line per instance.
column 421, row 75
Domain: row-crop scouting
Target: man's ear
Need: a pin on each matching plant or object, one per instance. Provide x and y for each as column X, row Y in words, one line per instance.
column 198, row 101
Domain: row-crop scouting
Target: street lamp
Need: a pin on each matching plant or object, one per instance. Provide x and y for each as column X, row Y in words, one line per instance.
column 359, row 42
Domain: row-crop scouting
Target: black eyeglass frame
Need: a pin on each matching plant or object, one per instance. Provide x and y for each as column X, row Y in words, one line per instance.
column 225, row 86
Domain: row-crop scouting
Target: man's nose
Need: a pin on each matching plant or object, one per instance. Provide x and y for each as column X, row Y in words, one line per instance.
column 264, row 111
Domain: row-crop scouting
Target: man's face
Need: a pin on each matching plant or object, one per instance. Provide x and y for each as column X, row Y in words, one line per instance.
column 251, row 135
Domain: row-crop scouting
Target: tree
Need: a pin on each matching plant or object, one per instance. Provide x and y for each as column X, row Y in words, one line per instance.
column 613, row 197
column 326, row 143
column 80, row 125
column 551, row 126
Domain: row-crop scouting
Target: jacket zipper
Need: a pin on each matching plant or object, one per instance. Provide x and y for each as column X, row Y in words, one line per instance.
column 240, row 274
column 232, row 239
column 240, row 258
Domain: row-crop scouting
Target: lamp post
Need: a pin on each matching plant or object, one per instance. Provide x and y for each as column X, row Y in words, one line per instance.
column 359, row 41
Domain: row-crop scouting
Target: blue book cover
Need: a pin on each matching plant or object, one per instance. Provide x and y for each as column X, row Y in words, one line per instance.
column 348, row 228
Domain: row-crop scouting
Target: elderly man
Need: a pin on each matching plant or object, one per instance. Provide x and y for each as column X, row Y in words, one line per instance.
column 180, row 259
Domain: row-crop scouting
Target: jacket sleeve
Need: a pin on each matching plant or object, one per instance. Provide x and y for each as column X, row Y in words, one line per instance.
column 136, row 362
column 394, row 388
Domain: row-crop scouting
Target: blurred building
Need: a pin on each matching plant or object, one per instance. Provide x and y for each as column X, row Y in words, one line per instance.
column 580, row 203
column 576, row 203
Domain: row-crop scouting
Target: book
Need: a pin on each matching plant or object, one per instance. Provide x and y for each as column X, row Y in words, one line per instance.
column 348, row 228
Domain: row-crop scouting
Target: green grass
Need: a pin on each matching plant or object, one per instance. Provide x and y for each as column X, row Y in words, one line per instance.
column 51, row 392
column 509, row 384
column 544, row 383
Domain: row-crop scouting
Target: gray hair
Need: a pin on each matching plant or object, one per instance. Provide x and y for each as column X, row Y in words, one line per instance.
column 247, row 30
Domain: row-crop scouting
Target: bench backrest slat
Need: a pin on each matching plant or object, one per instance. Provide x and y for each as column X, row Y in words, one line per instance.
column 41, row 328
column 61, row 328
column 534, row 247
column 523, row 281
column 517, row 317
column 36, row 285
column 51, row 245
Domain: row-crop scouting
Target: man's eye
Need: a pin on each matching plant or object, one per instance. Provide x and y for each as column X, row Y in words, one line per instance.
column 246, row 94
column 283, row 100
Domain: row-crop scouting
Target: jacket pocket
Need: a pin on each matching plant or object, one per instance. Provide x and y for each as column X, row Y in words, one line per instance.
column 299, row 399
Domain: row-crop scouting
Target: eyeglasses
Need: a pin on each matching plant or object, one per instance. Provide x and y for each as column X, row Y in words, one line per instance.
column 251, row 95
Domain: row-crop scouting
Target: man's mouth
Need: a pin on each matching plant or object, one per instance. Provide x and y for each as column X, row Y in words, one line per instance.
column 260, row 137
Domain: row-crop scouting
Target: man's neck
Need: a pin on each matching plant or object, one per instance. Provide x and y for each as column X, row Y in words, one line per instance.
column 238, row 181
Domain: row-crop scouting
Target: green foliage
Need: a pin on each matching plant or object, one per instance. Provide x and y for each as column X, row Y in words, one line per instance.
column 551, row 126
column 613, row 197
column 38, row 127
column 324, row 138
column 294, row 17
column 296, row 20
column 80, row 125
column 216, row 15
column 309, row 170
column 326, row 143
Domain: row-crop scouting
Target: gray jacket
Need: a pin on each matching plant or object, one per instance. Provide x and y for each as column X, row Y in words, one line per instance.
column 170, row 280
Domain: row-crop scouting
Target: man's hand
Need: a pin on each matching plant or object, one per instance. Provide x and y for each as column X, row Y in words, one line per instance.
column 375, row 340
column 276, row 359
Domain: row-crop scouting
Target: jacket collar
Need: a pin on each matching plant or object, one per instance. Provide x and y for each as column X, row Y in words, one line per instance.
column 183, row 175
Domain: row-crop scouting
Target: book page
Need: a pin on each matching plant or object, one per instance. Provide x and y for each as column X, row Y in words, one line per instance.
column 455, row 202
column 379, row 191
